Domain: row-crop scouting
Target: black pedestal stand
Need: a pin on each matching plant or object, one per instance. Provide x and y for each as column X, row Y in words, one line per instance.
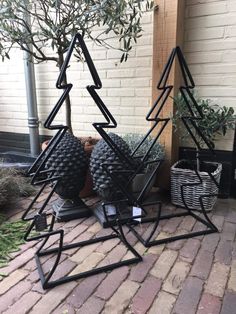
column 69, row 209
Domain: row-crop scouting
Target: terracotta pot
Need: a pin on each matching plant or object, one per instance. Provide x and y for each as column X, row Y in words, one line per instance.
column 44, row 144
column 89, row 143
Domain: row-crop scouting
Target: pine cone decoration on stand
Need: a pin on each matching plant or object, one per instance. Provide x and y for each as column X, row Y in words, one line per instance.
column 70, row 163
column 101, row 154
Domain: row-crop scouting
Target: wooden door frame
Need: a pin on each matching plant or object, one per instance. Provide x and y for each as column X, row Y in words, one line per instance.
column 168, row 32
column 233, row 181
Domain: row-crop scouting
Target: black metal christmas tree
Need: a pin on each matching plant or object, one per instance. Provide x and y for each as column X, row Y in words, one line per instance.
column 62, row 167
column 125, row 163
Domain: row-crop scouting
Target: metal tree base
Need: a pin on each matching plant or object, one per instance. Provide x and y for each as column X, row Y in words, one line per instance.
column 69, row 209
column 148, row 242
column 45, row 278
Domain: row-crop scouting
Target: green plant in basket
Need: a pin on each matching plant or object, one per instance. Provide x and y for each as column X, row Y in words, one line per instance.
column 216, row 121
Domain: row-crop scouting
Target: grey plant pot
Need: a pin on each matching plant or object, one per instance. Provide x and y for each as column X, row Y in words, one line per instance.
column 140, row 180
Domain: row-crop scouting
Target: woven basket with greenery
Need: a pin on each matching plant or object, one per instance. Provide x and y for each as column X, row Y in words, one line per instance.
column 181, row 174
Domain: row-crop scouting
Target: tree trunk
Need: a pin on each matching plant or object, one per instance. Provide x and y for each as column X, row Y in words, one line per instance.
column 67, row 100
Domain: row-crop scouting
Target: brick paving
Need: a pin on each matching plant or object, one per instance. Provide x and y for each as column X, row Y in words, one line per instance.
column 196, row 275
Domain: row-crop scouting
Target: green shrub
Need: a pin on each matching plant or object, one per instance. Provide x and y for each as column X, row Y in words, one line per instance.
column 216, row 121
column 157, row 151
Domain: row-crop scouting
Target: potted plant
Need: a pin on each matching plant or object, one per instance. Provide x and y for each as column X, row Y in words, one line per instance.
column 157, row 152
column 89, row 143
column 216, row 121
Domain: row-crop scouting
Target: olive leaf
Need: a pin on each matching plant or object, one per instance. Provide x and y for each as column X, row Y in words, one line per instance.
column 216, row 120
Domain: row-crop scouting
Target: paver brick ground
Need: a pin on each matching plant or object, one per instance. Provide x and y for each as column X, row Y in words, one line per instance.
column 196, row 275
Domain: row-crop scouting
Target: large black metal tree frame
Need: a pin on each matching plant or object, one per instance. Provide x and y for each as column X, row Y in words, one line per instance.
column 189, row 99
column 130, row 167
column 38, row 172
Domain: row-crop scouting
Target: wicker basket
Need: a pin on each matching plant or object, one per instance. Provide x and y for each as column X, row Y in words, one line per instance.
column 181, row 174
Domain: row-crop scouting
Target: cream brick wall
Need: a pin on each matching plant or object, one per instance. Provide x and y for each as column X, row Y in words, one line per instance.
column 126, row 89
column 210, row 48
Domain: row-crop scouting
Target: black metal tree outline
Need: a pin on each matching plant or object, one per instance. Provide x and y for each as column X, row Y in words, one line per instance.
column 189, row 99
column 127, row 160
column 38, row 173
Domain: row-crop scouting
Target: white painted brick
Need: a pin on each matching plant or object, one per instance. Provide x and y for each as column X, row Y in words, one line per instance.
column 87, row 74
column 205, row 33
column 231, row 5
column 230, row 56
column 144, row 51
column 111, row 83
column 138, row 101
column 144, row 72
column 211, row 21
column 120, row 92
column 191, row 2
column 120, row 73
column 211, row 45
column 203, row 57
column 145, row 40
column 99, row 54
column 207, row 9
column 141, row 111
column 213, row 68
column 230, row 31
column 136, row 82
column 147, row 18
column 218, row 91
column 114, row 54
column 136, row 62
column 207, row 80
column 115, row 101
column 143, row 92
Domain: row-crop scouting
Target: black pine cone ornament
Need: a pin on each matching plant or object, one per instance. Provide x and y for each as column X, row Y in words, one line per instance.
column 101, row 153
column 70, row 162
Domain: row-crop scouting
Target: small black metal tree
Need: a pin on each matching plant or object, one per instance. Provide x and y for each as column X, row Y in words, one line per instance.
column 125, row 163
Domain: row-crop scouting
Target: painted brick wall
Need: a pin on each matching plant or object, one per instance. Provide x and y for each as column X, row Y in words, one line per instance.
column 126, row 89
column 13, row 109
column 210, row 48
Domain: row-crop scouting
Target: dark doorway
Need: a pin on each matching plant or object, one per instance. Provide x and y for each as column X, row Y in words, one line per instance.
column 233, row 183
